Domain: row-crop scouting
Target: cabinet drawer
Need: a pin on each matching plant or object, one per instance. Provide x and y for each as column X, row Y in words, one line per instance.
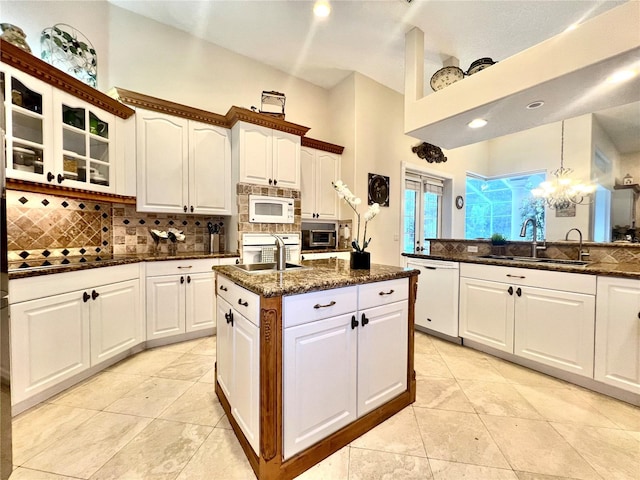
column 529, row 277
column 382, row 293
column 309, row 307
column 172, row 267
column 244, row 301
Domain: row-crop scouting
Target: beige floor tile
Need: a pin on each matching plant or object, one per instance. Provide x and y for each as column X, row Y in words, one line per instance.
column 219, row 457
column 431, row 366
column 42, row 426
column 198, row 405
column 624, row 415
column 534, row 446
column 102, row 390
column 373, row 465
column 150, row 397
column 82, row 452
column 538, row 476
column 495, row 398
column 187, row 367
column 467, row 368
column 399, row 434
column 514, row 373
column 334, row 467
column 224, row 423
column 423, row 344
column 146, row 363
column 206, row 347
column 444, row 393
column 611, row 452
column 453, row 349
column 634, row 434
column 209, row 377
column 159, row 452
column 181, row 347
column 443, row 470
column 28, row 474
column 563, row 405
column 458, row 437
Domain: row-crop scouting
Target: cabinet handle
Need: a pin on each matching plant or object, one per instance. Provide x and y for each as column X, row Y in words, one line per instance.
column 301, row 257
column 191, row 209
column 187, row 266
column 519, row 292
column 270, row 182
column 510, row 290
column 515, row 276
column 386, row 293
column 429, row 268
column 364, row 320
column 188, row 278
column 60, row 178
column 223, row 288
column 275, row 182
column 354, row 322
column 638, row 314
column 428, row 319
column 237, row 261
column 229, row 317
column 244, row 304
column 181, row 280
column 330, row 304
column 85, row 297
column 50, row 177
column 184, row 208
column 94, row 294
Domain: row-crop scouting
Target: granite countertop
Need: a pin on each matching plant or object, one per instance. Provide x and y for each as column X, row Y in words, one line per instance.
column 629, row 269
column 325, row 250
column 319, row 275
column 32, row 268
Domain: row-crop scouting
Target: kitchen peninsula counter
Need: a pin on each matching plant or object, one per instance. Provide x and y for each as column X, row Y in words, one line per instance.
column 310, row 359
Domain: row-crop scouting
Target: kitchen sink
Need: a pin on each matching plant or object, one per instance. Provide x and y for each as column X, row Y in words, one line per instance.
column 267, row 267
column 557, row 261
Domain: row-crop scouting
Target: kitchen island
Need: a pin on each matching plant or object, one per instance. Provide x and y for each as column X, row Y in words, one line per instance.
column 308, row 360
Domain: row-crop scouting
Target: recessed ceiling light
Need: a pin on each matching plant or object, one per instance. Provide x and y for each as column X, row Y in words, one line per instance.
column 321, row 8
column 621, row 76
column 536, row 104
column 477, row 123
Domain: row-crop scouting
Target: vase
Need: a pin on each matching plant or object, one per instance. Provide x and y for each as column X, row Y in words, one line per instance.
column 360, row 260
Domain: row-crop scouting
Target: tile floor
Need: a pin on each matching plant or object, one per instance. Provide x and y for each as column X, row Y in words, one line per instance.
column 155, row 416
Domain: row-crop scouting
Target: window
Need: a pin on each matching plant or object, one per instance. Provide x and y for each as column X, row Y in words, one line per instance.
column 501, row 205
column 422, row 210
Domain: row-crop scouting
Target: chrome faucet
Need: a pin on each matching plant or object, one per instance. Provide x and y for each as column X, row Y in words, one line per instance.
column 281, row 254
column 523, row 233
column 581, row 254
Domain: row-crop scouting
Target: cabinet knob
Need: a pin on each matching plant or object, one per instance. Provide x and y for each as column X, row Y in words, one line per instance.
column 184, row 208
column 229, row 317
column 94, row 294
column 364, row 320
column 60, row 178
column 510, row 290
column 428, row 319
column 191, row 209
column 244, row 304
column 354, row 322
column 519, row 292
column 85, row 297
column 275, row 182
column 181, row 279
column 270, row 182
column 237, row 261
column 223, row 288
column 50, row 177
column 188, row 278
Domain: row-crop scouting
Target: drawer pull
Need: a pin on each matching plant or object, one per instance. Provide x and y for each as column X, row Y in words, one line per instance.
column 188, row 266
column 244, row 304
column 354, row 322
column 515, row 276
column 223, row 288
column 429, row 268
column 386, row 293
column 330, row 304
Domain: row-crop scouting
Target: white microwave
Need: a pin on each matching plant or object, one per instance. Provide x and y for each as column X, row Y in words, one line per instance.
column 264, row 209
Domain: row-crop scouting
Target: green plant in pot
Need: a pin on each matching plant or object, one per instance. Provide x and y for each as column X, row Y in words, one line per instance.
column 498, row 239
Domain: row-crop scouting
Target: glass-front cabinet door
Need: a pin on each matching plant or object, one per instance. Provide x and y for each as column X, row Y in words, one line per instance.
column 84, row 141
column 28, row 125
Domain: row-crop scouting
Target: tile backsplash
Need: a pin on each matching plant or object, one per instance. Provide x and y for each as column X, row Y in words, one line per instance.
column 41, row 226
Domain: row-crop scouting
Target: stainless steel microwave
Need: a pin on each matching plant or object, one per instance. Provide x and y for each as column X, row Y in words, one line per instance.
column 264, row 209
column 318, row 238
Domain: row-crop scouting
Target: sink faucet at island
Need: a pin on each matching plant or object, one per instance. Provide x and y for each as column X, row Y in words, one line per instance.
column 581, row 254
column 280, row 254
column 534, row 245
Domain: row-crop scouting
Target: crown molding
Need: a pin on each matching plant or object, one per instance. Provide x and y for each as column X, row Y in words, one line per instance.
column 320, row 145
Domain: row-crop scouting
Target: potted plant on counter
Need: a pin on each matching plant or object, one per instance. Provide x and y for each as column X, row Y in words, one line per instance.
column 360, row 259
column 498, row 242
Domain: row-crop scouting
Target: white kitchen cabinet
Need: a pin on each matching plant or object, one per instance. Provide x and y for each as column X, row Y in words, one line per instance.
column 617, row 352
column 318, row 197
column 178, row 162
column 540, row 315
column 265, row 156
column 63, row 324
column 436, row 305
column 238, row 355
column 180, row 297
column 326, row 256
column 341, row 362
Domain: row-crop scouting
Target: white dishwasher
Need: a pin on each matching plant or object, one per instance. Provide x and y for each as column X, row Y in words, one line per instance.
column 436, row 307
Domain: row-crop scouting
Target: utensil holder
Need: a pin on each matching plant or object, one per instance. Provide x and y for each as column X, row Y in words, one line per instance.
column 212, row 243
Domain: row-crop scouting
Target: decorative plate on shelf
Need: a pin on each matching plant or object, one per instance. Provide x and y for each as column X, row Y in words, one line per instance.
column 378, row 190
column 67, row 49
column 445, row 77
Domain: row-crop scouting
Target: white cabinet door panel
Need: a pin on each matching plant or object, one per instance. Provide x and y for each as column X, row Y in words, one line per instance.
column 382, row 355
column 320, row 370
column 308, row 182
column 555, row 328
column 286, row 159
column 49, row 343
column 256, row 154
column 224, row 347
column 327, row 171
column 165, row 306
column 200, row 301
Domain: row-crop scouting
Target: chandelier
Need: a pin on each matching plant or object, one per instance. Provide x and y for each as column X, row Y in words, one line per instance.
column 563, row 191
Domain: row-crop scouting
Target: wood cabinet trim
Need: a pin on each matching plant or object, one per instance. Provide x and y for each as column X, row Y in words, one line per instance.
column 31, row 65
column 237, row 114
column 320, row 145
column 34, row 187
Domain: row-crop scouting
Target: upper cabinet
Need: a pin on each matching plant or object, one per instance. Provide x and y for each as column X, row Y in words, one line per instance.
column 319, row 169
column 184, row 166
column 266, row 156
column 59, row 131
